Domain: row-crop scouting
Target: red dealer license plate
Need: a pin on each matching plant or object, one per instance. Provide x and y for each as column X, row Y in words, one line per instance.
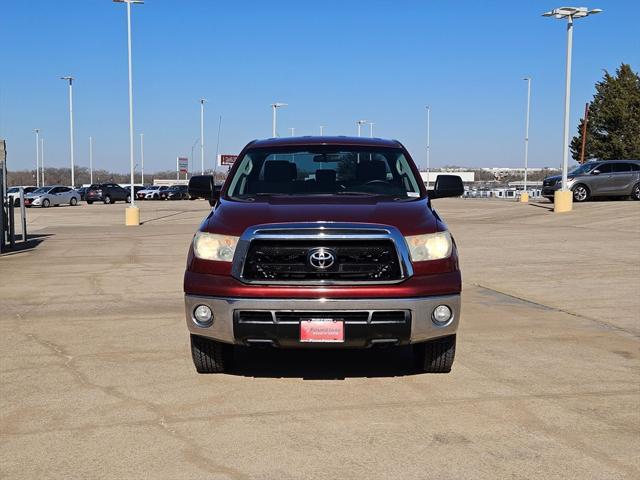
column 321, row 330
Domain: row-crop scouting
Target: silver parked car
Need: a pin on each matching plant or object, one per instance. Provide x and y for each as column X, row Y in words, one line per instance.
column 599, row 178
column 52, row 195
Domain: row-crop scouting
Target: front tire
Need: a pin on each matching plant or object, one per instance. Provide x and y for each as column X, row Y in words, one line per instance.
column 73, row 202
column 437, row 355
column 107, row 200
column 46, row 203
column 635, row 193
column 210, row 356
column 128, row 199
column 89, row 202
column 580, row 193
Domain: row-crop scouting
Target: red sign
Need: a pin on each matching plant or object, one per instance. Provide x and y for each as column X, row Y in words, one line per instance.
column 321, row 330
column 183, row 164
column 227, row 160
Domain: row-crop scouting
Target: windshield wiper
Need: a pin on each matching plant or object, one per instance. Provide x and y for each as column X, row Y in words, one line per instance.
column 369, row 194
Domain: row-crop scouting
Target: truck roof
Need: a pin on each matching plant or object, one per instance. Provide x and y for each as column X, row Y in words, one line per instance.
column 324, row 140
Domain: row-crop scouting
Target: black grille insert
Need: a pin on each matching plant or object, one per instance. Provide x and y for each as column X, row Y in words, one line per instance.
column 355, row 260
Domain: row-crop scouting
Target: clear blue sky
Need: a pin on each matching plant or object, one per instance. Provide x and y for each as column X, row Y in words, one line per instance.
column 334, row 62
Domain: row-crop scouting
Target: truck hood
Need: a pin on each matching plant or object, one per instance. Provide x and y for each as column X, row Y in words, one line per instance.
column 411, row 217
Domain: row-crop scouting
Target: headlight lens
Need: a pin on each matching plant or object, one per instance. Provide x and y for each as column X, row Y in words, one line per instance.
column 211, row 246
column 432, row 246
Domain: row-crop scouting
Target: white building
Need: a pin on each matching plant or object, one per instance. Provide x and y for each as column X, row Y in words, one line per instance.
column 432, row 175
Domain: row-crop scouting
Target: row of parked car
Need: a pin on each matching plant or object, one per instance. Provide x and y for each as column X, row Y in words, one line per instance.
column 54, row 195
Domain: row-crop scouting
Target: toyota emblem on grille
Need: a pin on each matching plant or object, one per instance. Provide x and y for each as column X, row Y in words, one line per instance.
column 321, row 258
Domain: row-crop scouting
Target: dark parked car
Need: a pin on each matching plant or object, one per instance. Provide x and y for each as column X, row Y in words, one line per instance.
column 175, row 192
column 107, row 193
column 599, row 178
column 323, row 242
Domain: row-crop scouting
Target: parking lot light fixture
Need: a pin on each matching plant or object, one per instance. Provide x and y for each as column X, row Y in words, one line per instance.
column 359, row 123
column 132, row 214
column 70, row 80
column 274, row 121
column 563, row 199
column 524, row 197
column 202, row 100
column 37, row 132
column 428, row 143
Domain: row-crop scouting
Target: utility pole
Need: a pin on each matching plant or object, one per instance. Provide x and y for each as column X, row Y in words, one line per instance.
column 42, row 160
column 202, row 100
column 428, row 144
column 70, row 80
column 37, row 131
column 524, row 197
column 584, row 132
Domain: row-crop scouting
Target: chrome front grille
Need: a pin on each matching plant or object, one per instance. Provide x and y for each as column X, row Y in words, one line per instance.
column 355, row 254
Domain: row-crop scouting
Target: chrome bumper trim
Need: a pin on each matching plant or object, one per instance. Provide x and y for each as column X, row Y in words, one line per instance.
column 422, row 328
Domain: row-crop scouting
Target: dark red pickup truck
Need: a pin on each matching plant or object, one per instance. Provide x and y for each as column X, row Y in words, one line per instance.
column 323, row 242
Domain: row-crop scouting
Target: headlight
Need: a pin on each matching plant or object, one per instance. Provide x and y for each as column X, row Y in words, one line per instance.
column 432, row 246
column 210, row 246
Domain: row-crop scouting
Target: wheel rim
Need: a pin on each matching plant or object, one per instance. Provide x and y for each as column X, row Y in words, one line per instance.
column 107, row 200
column 45, row 203
column 636, row 192
column 128, row 199
column 74, row 201
column 580, row 194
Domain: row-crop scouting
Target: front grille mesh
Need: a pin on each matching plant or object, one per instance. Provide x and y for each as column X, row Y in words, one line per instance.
column 355, row 260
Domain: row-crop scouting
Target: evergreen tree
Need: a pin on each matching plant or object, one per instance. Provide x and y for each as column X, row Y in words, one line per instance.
column 613, row 125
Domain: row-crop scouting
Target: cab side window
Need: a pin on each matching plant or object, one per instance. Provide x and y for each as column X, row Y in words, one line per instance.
column 621, row 167
column 605, row 168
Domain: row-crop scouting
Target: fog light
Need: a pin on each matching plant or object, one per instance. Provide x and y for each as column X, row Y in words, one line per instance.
column 203, row 316
column 441, row 315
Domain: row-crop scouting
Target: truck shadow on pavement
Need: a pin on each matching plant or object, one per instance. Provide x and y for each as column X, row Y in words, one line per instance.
column 324, row 364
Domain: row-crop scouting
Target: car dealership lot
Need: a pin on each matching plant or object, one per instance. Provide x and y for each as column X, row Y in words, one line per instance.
column 97, row 379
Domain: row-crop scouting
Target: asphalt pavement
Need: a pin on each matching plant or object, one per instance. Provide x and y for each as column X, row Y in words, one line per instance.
column 96, row 379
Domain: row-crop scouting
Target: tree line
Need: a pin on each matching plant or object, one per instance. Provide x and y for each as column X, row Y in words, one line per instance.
column 613, row 119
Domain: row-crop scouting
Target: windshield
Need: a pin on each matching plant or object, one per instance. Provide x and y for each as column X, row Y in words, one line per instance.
column 324, row 170
column 42, row 190
column 583, row 169
column 13, row 190
column 153, row 188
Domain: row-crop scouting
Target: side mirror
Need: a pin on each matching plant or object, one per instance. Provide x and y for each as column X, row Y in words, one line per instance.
column 201, row 186
column 595, row 172
column 215, row 195
column 447, row 186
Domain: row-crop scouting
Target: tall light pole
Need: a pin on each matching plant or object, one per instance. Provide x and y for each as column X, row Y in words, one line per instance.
column 359, row 123
column 37, row 132
column 202, row 100
column 524, row 197
column 321, row 130
column 193, row 147
column 70, row 80
column 42, row 160
column 428, row 144
column 132, row 215
column 142, row 158
column 90, row 160
column 274, row 121
column 371, row 124
column 563, row 198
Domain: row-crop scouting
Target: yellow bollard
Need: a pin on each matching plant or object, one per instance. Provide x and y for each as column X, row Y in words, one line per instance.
column 562, row 201
column 132, row 216
column 524, row 197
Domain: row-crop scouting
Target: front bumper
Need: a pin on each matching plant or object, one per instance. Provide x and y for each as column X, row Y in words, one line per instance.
column 418, row 328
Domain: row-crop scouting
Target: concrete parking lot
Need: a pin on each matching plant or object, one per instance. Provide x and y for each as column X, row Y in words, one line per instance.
column 97, row 380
